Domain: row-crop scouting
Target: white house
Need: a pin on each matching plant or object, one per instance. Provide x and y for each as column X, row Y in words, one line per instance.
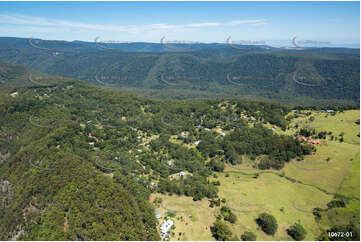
column 165, row 228
column 184, row 135
column 182, row 173
column 197, row 142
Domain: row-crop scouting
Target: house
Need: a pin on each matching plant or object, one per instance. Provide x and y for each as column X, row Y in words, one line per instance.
column 206, row 129
column 182, row 174
column 197, row 142
column 184, row 135
column 275, row 126
column 165, row 228
column 153, row 185
column 314, row 141
column 223, row 134
column 198, row 126
column 330, row 111
column 14, row 94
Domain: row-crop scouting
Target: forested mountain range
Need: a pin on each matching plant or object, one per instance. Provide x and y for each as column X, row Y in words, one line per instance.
column 311, row 76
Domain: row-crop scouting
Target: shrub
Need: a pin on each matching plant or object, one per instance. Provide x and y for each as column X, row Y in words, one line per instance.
column 221, row 231
column 297, row 231
column 228, row 215
column 248, row 236
column 268, row 223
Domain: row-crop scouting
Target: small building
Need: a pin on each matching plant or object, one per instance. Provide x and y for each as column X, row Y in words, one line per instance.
column 223, row 134
column 14, row 94
column 170, row 162
column 165, row 228
column 275, row 126
column 182, row 174
column 314, row 141
column 330, row 111
column 206, row 129
column 184, row 135
column 157, row 214
column 153, row 185
column 197, row 142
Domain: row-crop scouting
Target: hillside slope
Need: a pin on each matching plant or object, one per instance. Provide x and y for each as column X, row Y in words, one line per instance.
column 288, row 76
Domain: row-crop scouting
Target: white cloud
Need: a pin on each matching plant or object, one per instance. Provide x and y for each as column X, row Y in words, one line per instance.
column 38, row 21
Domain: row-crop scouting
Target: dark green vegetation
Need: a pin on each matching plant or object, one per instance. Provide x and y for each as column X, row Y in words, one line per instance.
column 221, row 231
column 267, row 223
column 297, row 232
column 307, row 77
column 248, row 236
column 228, row 215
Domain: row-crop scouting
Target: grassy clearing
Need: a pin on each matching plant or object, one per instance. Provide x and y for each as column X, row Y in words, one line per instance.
column 340, row 154
column 351, row 184
column 327, row 176
column 341, row 122
column 244, row 193
column 194, row 223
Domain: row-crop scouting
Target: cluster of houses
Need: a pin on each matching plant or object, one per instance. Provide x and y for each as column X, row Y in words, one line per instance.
column 310, row 141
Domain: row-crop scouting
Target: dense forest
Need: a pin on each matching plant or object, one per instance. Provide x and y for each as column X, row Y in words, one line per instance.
column 305, row 77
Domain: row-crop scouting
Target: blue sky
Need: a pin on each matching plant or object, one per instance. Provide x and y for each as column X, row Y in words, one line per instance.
column 335, row 22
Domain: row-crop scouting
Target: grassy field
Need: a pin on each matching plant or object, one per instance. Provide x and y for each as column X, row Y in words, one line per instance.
column 351, row 183
column 341, row 122
column 272, row 194
column 328, row 176
column 318, row 172
column 287, row 201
